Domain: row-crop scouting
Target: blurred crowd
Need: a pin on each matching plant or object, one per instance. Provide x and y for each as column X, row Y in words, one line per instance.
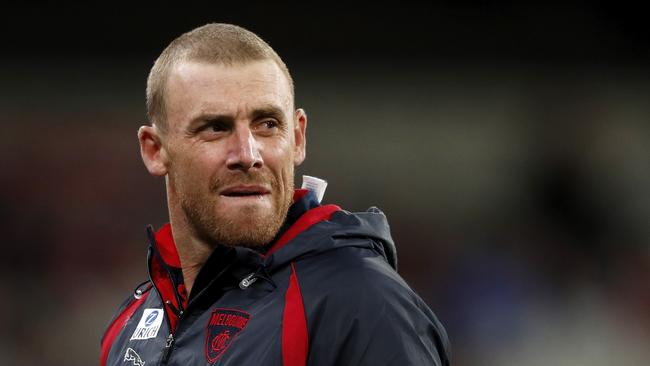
column 519, row 203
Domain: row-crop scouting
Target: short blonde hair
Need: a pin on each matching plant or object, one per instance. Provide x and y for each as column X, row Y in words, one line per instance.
column 223, row 44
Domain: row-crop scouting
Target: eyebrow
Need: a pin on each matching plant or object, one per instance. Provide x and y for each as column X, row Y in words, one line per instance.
column 265, row 111
column 268, row 111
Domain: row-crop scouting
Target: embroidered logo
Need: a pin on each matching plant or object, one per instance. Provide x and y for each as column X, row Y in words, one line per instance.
column 223, row 327
column 149, row 324
column 131, row 355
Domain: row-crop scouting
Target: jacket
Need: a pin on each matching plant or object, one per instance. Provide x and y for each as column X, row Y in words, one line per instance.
column 325, row 293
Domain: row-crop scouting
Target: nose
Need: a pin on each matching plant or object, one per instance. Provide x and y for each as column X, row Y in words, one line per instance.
column 244, row 151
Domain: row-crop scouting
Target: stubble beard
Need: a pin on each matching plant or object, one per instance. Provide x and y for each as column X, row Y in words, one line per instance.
column 248, row 228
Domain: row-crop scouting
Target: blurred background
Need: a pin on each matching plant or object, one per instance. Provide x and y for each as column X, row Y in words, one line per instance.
column 508, row 144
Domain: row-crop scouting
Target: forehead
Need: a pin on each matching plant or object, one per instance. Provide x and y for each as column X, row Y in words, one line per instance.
column 200, row 87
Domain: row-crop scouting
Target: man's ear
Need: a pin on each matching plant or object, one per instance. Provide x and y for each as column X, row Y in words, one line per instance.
column 153, row 153
column 300, row 138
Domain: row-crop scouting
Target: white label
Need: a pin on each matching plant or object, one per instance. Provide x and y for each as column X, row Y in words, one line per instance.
column 149, row 324
column 314, row 184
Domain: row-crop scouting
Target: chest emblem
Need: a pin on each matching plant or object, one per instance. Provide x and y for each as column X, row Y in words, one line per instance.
column 223, row 327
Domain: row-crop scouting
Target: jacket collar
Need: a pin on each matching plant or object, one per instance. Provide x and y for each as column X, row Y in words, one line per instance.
column 225, row 266
column 303, row 213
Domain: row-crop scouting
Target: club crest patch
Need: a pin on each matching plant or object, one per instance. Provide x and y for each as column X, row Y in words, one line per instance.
column 149, row 324
column 223, row 327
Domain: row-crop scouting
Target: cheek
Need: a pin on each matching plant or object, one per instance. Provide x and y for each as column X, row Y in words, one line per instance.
column 280, row 158
column 194, row 170
column 279, row 150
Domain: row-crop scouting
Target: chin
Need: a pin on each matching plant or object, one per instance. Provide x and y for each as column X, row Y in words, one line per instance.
column 258, row 237
column 249, row 227
column 236, row 222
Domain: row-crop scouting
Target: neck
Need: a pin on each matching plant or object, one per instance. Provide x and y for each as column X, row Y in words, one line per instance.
column 193, row 256
column 192, row 251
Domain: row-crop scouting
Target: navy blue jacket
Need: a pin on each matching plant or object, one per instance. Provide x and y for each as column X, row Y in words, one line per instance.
column 325, row 293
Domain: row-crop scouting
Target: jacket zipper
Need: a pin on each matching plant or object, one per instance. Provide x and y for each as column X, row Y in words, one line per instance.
column 247, row 281
column 169, row 344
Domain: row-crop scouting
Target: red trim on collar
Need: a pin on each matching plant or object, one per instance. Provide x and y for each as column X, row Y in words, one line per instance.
column 167, row 250
column 309, row 218
column 166, row 246
column 299, row 193
column 165, row 287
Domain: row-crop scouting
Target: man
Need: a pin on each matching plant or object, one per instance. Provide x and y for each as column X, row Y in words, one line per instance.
column 250, row 271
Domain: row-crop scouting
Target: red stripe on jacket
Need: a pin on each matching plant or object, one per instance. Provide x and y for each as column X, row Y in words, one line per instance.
column 116, row 326
column 295, row 339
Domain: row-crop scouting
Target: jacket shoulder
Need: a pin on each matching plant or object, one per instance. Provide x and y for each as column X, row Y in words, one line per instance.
column 352, row 263
column 139, row 292
column 357, row 304
column 116, row 326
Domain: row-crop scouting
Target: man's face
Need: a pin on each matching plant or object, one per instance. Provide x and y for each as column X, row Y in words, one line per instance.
column 230, row 148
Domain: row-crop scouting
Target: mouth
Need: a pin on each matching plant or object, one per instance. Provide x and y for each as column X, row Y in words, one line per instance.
column 245, row 191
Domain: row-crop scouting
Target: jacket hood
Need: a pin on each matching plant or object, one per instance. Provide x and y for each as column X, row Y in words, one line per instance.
column 337, row 229
column 371, row 224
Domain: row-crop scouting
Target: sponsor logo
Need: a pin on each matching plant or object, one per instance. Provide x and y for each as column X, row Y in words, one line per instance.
column 132, row 356
column 149, row 324
column 150, row 318
column 223, row 327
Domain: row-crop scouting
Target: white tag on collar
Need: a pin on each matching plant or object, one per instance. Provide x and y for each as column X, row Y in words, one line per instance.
column 315, row 185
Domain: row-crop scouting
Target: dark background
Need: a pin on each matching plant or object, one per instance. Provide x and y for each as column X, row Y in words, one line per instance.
column 509, row 145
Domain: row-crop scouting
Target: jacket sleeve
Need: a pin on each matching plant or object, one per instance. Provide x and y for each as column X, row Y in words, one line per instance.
column 367, row 315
